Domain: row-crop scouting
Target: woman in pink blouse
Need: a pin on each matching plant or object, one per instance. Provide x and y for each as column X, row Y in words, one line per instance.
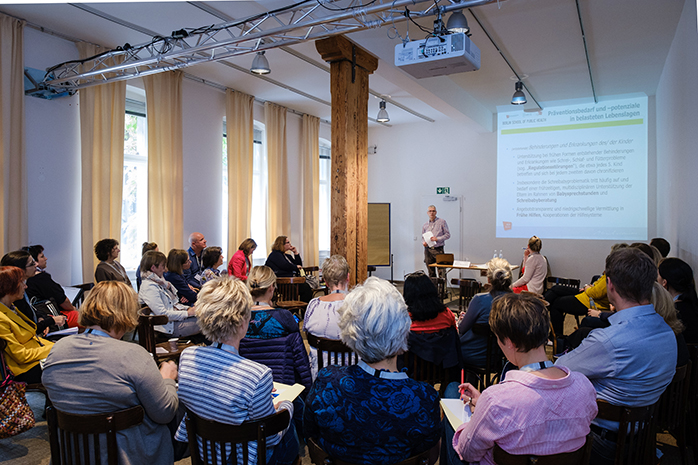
column 538, row 409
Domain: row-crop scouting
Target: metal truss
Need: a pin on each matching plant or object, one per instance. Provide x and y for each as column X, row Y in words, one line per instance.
column 309, row 20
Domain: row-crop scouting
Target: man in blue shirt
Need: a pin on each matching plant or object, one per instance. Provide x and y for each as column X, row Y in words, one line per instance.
column 632, row 361
column 197, row 243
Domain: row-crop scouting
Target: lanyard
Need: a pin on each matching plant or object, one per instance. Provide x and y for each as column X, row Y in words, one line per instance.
column 225, row 347
column 536, row 366
column 97, row 332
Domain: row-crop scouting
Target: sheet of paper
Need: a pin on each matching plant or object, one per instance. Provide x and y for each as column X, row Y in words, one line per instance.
column 64, row 332
column 286, row 392
column 461, row 264
column 457, row 412
column 427, row 238
column 161, row 350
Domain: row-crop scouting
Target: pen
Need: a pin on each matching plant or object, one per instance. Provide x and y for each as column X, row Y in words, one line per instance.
column 462, row 376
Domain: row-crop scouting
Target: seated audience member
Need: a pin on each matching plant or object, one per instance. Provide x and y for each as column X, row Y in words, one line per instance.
column 42, row 287
column 197, row 244
column 241, row 262
column 211, row 259
column 563, row 299
column 24, row 348
column 626, row 362
column 273, row 338
column 285, row 261
column 321, row 318
column 677, row 277
column 108, row 269
column 650, row 250
column 44, row 321
column 115, row 375
column 534, row 268
column 178, row 262
column 433, row 335
column 664, row 306
column 539, row 409
column 372, row 413
column 662, row 245
column 218, row 384
column 146, row 247
column 474, row 346
column 161, row 297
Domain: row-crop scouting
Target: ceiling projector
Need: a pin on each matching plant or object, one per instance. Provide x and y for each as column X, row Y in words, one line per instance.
column 438, row 56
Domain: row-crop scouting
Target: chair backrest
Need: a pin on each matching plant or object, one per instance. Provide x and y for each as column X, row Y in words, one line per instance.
column 444, row 258
column 146, row 332
column 320, row 457
column 567, row 282
column 75, row 439
column 674, row 401
column 206, row 437
column 468, row 288
column 423, row 370
column 578, row 457
column 287, row 289
column 80, row 297
column 636, row 439
column 49, row 307
column 336, row 352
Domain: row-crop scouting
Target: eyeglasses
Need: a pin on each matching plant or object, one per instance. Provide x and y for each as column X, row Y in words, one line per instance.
column 31, row 263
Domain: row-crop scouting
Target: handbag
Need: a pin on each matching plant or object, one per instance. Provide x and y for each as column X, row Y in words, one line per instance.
column 15, row 414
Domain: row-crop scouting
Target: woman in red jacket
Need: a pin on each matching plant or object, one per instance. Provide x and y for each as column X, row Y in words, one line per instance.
column 241, row 261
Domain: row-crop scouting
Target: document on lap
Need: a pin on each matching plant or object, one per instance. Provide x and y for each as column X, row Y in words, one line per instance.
column 457, row 412
column 286, row 392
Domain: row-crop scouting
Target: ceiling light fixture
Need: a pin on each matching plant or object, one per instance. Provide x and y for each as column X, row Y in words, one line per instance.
column 457, row 23
column 519, row 98
column 260, row 65
column 382, row 113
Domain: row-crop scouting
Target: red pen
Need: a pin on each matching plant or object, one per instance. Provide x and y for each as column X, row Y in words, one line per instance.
column 462, row 376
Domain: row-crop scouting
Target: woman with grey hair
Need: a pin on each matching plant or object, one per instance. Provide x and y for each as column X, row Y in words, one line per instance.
column 216, row 383
column 371, row 413
column 321, row 317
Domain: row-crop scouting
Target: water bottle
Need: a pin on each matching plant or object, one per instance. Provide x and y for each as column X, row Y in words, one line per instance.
column 495, row 254
column 500, row 254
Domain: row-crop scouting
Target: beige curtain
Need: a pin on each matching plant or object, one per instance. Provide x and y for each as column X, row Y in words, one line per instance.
column 239, row 127
column 279, row 212
column 13, row 194
column 310, row 161
column 163, row 96
column 102, row 119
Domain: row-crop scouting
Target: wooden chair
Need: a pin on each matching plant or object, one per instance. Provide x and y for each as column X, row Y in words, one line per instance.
column 315, row 271
column 423, row 370
column 578, row 457
column 148, row 337
column 337, row 352
column 673, row 406
column 489, row 374
column 80, row 298
column 208, row 436
column 288, row 294
column 320, row 457
column 467, row 289
column 635, row 441
column 567, row 282
column 76, row 438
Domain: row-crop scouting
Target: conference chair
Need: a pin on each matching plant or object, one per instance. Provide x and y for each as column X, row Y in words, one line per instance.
column 673, row 406
column 578, row 457
column 207, row 438
column 468, row 287
column 566, row 282
column 332, row 352
column 288, row 294
column 80, row 297
column 635, row 439
column 75, row 439
column 151, row 341
column 489, row 374
column 319, row 457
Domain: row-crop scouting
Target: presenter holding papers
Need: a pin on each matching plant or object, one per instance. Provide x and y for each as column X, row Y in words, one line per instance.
column 434, row 234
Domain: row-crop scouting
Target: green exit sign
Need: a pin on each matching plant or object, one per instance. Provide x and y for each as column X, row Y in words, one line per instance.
column 443, row 190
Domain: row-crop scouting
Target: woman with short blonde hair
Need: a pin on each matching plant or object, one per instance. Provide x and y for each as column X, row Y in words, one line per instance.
column 120, row 374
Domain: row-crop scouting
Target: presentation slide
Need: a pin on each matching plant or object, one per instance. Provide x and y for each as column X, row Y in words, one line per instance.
column 573, row 172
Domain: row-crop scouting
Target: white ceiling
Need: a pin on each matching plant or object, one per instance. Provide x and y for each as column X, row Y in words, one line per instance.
column 628, row 41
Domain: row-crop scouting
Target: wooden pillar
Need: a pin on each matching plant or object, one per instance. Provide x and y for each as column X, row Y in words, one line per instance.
column 350, row 66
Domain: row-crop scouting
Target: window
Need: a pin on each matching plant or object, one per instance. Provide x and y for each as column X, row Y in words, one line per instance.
column 134, row 203
column 325, row 199
column 260, row 178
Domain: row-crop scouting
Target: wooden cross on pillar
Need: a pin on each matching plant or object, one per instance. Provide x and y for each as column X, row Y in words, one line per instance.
column 350, row 66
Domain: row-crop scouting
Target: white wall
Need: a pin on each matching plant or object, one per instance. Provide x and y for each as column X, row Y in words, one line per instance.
column 413, row 160
column 677, row 141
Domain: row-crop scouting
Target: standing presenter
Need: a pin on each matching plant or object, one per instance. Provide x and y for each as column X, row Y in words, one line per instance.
column 439, row 234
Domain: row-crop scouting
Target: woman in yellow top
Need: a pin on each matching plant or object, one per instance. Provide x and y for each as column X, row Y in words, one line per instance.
column 24, row 348
column 563, row 299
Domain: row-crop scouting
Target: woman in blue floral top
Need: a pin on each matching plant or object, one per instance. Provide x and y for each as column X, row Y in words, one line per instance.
column 371, row 413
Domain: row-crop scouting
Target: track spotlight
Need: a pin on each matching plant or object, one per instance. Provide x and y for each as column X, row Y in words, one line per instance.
column 260, row 65
column 519, row 98
column 382, row 114
column 457, row 22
